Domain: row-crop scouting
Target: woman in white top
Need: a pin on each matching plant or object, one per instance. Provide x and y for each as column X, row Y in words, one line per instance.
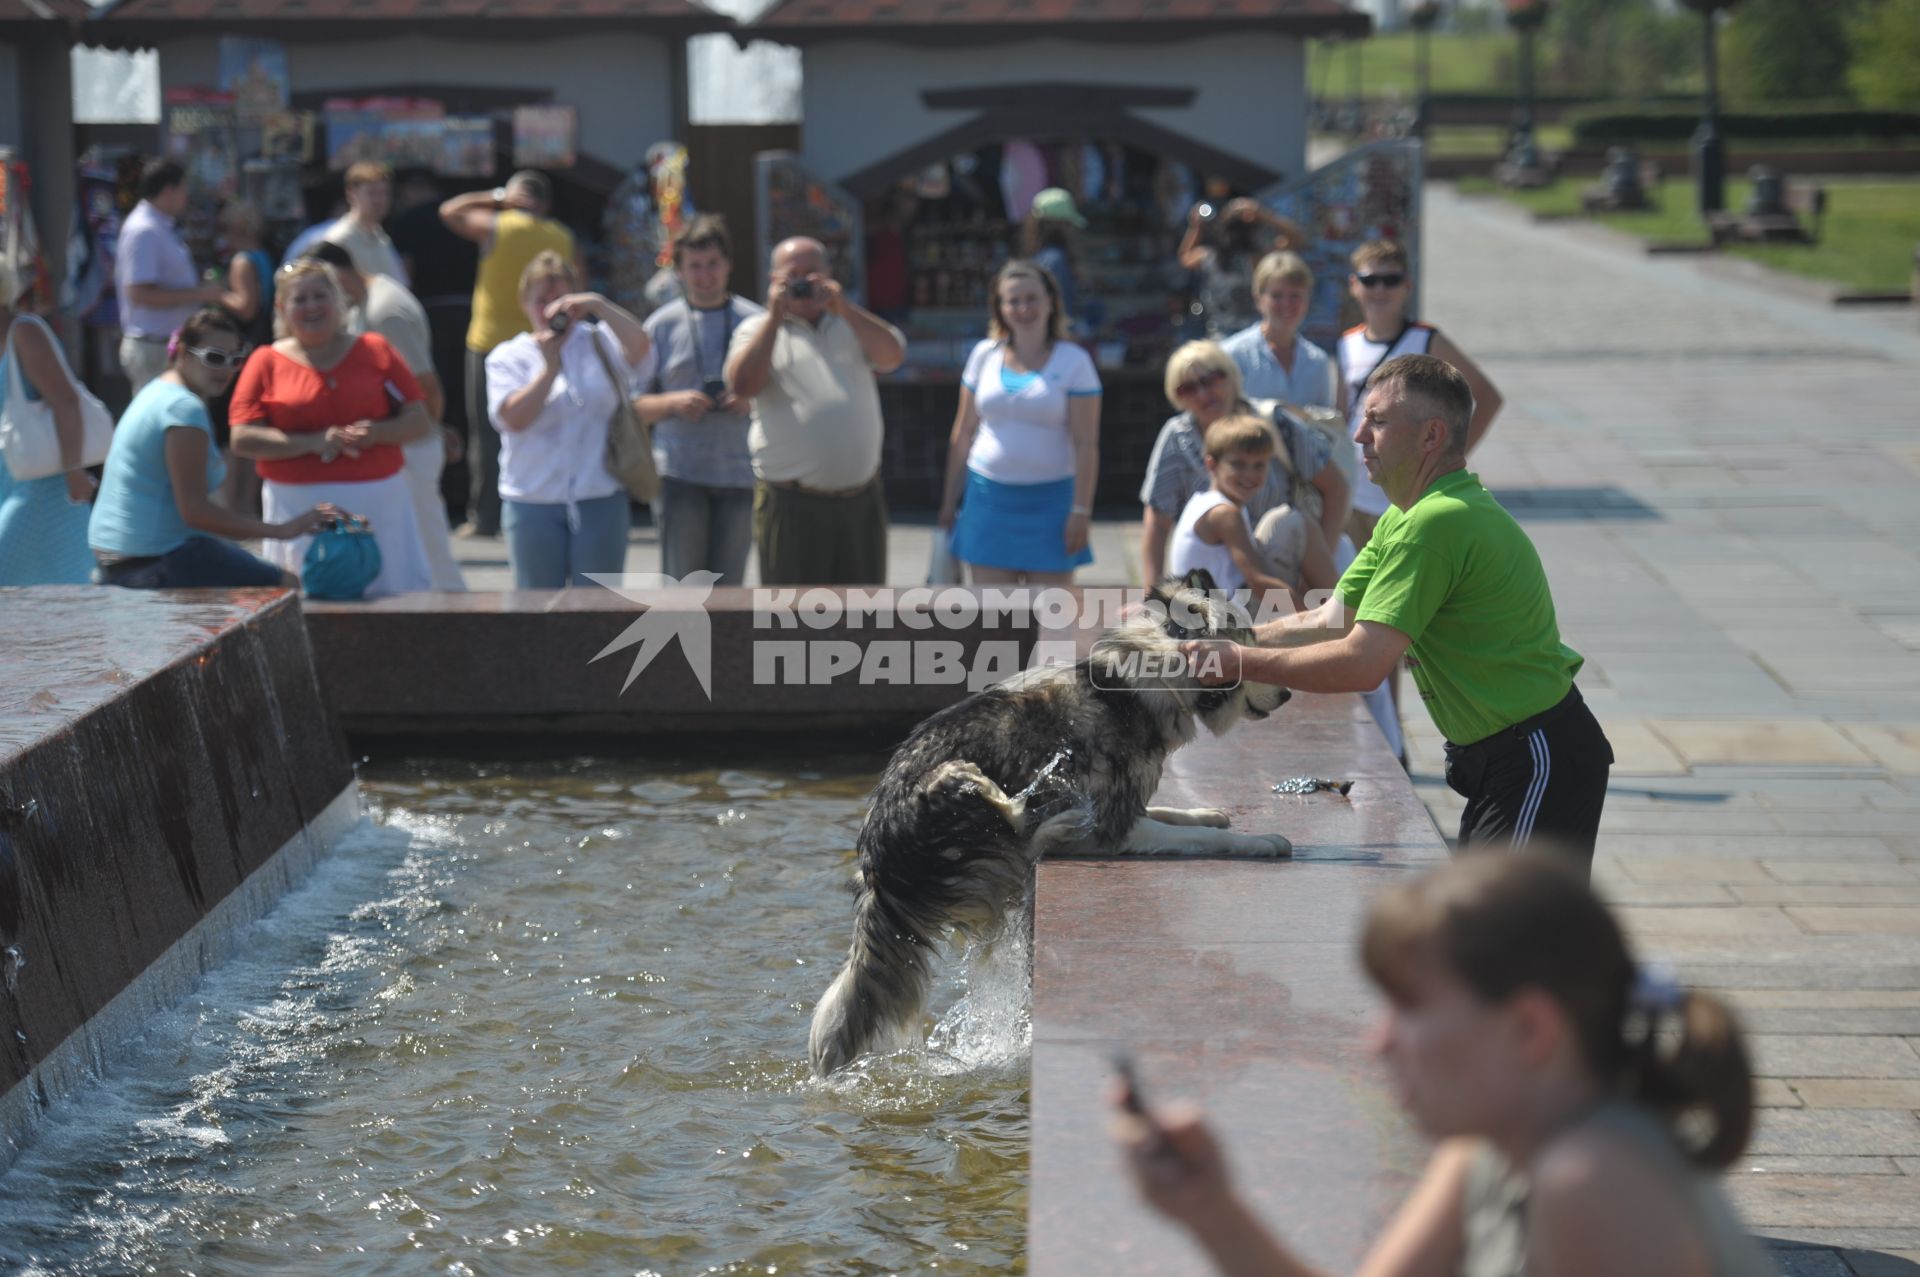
column 1026, row 441
column 550, row 395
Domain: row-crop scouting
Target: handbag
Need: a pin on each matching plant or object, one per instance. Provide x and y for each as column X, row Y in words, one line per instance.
column 341, row 561
column 629, row 442
column 943, row 565
column 28, row 437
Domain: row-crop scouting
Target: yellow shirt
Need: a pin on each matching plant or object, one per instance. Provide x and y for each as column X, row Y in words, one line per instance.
column 518, row 237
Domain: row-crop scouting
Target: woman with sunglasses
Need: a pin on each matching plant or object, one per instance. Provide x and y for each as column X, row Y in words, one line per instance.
column 324, row 415
column 1379, row 284
column 1204, row 384
column 155, row 525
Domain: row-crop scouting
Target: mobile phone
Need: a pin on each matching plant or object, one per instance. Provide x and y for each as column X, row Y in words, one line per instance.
column 1130, row 1099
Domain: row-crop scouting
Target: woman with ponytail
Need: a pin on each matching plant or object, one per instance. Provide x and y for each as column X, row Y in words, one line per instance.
column 1580, row 1103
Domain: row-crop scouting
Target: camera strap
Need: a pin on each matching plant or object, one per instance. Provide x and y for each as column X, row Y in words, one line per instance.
column 726, row 341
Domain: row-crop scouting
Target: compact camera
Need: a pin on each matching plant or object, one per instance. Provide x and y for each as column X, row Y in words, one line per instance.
column 800, row 289
column 1206, row 212
column 560, row 321
column 714, row 388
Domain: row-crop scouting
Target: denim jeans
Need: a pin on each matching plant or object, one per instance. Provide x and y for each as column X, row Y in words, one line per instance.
column 551, row 546
column 197, row 563
column 704, row 527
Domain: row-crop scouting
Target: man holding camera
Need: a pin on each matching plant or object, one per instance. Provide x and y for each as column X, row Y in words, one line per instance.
column 705, row 507
column 808, row 365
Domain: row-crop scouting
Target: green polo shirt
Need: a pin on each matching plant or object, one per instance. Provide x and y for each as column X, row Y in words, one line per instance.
column 1457, row 575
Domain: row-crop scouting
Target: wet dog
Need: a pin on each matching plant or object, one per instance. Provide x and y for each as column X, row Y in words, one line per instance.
column 1058, row 761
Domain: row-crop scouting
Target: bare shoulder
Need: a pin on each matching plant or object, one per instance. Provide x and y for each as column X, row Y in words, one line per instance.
column 1589, row 1179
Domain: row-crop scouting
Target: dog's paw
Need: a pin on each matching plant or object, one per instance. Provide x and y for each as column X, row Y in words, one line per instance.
column 1263, row 846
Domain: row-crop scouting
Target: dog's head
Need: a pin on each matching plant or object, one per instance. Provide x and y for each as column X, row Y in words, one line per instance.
column 1191, row 607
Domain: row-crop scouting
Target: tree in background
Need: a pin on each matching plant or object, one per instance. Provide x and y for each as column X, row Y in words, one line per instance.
column 1886, row 53
column 1789, row 50
column 1617, row 48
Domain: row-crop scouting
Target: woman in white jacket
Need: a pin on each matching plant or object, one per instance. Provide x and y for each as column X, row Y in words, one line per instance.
column 550, row 396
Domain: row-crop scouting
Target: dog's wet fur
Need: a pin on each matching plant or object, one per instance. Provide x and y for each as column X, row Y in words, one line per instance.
column 1059, row 761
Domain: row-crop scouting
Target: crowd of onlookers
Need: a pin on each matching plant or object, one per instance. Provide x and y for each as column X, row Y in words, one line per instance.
column 319, row 386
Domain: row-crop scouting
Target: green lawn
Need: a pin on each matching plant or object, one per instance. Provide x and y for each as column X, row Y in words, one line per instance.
column 1867, row 240
column 1490, row 139
column 1460, row 64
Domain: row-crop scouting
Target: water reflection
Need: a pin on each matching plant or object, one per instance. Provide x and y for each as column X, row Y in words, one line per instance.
column 548, row 1019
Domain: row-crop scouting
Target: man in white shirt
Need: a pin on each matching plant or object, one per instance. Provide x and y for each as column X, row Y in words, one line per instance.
column 369, row 200
column 808, row 365
column 153, row 274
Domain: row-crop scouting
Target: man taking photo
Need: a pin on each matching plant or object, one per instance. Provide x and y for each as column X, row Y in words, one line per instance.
column 705, row 507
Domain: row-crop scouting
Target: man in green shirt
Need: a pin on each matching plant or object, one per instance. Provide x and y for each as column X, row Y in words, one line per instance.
column 1451, row 582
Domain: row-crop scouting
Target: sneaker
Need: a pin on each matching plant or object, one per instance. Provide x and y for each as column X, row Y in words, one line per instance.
column 470, row 531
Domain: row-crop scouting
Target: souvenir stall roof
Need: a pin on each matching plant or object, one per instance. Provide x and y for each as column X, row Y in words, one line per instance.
column 129, row 24
column 811, row 21
column 36, row 14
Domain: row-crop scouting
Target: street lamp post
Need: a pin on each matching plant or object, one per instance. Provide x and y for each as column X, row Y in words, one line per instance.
column 1525, row 17
column 1422, row 17
column 1709, row 148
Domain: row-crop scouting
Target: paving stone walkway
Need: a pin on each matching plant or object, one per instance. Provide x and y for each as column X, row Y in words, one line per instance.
column 1724, row 483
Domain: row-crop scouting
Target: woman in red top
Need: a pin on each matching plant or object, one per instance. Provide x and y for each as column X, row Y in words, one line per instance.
column 323, row 414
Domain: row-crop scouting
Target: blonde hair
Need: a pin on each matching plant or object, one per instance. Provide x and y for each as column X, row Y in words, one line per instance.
column 1239, row 432
column 297, row 269
column 1201, row 354
column 1289, row 267
column 545, row 265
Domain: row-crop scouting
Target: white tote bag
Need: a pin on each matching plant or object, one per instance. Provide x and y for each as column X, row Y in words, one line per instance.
column 28, row 438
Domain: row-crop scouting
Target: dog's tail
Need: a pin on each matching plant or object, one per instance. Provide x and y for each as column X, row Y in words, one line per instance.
column 873, row 1001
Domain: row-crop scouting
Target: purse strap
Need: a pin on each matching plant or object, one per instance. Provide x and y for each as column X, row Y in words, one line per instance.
column 621, row 390
column 17, row 380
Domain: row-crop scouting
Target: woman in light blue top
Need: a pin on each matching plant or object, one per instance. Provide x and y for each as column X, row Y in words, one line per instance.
column 1026, row 441
column 43, row 522
column 154, row 524
column 1275, row 361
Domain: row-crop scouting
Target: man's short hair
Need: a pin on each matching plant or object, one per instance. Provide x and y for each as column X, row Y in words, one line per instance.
column 331, row 253
column 367, row 172
column 1435, row 388
column 1289, row 267
column 1239, row 432
column 709, row 230
column 159, row 176
column 536, row 184
column 1378, row 253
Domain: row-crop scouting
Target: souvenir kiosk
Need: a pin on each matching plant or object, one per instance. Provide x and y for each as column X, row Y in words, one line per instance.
column 929, row 125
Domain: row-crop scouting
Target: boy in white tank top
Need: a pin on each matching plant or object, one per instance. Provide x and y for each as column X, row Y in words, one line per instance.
column 1214, row 531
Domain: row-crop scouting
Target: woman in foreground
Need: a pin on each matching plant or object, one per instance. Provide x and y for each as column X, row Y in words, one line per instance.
column 1581, row 1104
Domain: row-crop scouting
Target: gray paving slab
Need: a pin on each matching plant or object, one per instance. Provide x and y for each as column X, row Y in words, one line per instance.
column 1739, row 565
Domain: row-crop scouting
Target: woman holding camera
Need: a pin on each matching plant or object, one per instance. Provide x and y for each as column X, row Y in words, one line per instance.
column 1222, row 244
column 155, row 524
column 323, row 414
column 552, row 393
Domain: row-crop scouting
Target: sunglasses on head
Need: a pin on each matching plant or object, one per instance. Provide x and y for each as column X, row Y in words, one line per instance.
column 214, row 357
column 1387, row 279
column 1198, row 382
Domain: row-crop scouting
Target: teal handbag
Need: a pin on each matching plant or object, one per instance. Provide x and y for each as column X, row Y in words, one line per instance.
column 342, row 560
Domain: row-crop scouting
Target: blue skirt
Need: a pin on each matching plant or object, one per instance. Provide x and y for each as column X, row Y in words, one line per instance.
column 1019, row 527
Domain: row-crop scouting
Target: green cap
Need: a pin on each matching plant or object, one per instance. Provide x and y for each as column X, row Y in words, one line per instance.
column 1056, row 205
